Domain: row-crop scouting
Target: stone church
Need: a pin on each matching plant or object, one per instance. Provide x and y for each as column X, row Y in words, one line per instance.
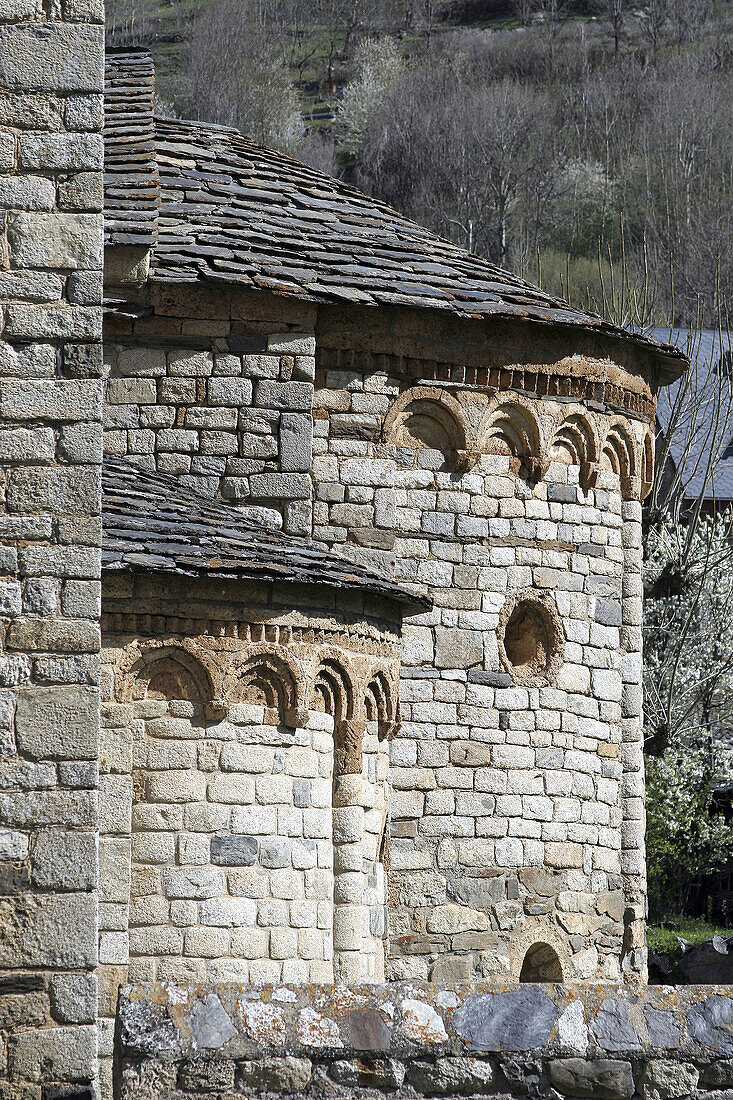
column 359, row 696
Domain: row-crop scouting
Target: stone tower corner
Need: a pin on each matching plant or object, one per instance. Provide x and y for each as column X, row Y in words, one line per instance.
column 51, row 160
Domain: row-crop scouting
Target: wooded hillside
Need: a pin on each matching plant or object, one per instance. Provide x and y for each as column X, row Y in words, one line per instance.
column 588, row 145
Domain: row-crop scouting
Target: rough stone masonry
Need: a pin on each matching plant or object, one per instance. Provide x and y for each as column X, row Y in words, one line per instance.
column 358, row 699
column 51, row 158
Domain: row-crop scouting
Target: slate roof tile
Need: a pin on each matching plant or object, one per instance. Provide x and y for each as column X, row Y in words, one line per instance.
column 131, row 183
column 230, row 209
column 151, row 522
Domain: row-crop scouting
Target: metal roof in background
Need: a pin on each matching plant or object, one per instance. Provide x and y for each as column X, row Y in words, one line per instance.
column 151, row 523
column 240, row 213
column 707, row 421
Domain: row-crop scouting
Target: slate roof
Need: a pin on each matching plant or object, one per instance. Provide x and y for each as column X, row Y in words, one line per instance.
column 704, row 428
column 131, row 181
column 153, row 524
column 234, row 211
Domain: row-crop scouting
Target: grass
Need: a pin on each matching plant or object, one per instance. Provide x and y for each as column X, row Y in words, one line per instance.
column 663, row 937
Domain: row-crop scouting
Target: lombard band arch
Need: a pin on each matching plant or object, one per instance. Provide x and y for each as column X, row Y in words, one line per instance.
column 511, row 428
column 266, row 678
column 619, row 456
column 647, row 464
column 332, row 691
column 379, row 704
column 576, row 443
column 428, row 417
column 169, row 672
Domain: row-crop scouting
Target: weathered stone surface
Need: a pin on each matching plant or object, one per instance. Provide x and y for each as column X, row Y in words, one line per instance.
column 664, row 1030
column 51, row 58
column 67, row 241
column 718, row 1075
column 54, row 1054
column 421, row 1023
column 234, row 850
column 572, row 1030
column 206, row 1074
column 209, row 1022
column 602, row 1078
column 147, row 1029
column 451, row 918
column 367, row 1030
column 520, row 1020
column 378, row 1073
column 458, row 648
column 23, row 1010
column 57, row 722
column 64, row 860
column 710, row 1023
column 612, row 1029
column 665, row 1080
column 275, row 1074
column 54, row 930
column 74, row 998
column 445, row 1076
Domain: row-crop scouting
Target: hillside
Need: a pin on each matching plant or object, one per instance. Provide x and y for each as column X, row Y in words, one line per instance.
column 586, row 144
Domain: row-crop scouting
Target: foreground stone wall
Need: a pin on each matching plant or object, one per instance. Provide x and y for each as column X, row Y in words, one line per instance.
column 51, row 80
column 412, row 1040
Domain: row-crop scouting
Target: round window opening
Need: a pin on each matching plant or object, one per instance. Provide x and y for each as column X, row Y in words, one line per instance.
column 531, row 639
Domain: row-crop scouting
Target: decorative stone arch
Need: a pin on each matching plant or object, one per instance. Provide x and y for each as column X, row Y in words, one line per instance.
column 511, row 428
column 576, row 442
column 428, row 417
column 380, row 703
column 265, row 677
column 619, row 456
column 332, row 688
column 547, row 948
column 530, row 637
column 647, row 463
column 167, row 671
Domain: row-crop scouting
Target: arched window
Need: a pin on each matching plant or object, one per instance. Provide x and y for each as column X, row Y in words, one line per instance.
column 541, row 964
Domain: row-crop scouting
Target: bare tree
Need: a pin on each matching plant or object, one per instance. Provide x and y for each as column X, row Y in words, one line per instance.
column 342, row 22
column 299, row 33
column 654, row 17
column 614, row 13
column 129, row 23
column 524, row 10
column 246, row 85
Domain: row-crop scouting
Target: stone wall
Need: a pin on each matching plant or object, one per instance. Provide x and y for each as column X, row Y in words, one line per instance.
column 414, row 1041
column 517, row 776
column 51, row 80
column 222, row 401
column 244, row 766
column 502, row 470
